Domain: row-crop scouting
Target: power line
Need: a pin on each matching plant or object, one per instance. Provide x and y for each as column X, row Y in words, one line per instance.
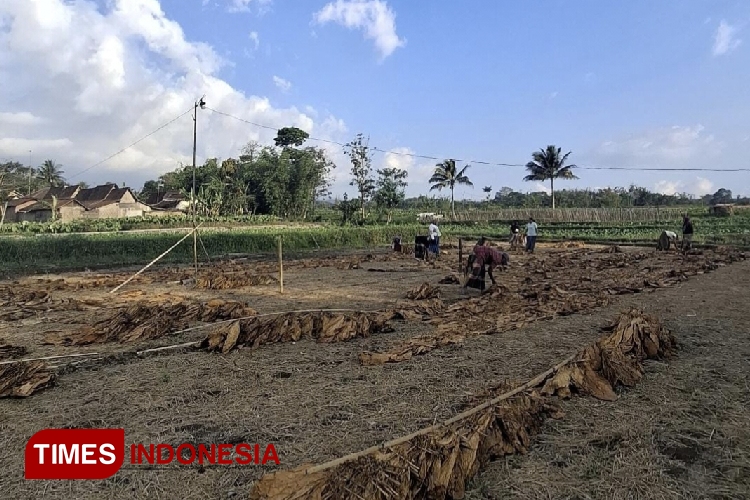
column 493, row 164
column 133, row 144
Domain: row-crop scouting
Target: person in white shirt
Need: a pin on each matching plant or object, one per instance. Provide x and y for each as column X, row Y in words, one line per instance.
column 433, row 237
column 531, row 231
column 666, row 240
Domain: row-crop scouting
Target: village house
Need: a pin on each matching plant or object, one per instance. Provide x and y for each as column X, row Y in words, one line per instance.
column 72, row 202
column 169, row 202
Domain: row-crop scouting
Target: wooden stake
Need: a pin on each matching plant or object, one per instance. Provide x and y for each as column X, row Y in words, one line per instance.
column 460, row 256
column 281, row 267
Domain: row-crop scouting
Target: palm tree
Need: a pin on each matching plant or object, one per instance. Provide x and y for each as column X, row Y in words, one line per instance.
column 445, row 176
column 549, row 164
column 51, row 174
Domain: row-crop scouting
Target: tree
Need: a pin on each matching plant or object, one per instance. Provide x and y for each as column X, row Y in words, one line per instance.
column 390, row 189
column 488, row 191
column 291, row 136
column 358, row 152
column 721, row 196
column 347, row 208
column 51, row 174
column 548, row 164
column 446, row 177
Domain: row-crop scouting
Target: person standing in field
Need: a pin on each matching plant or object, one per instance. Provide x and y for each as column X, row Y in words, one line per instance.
column 687, row 233
column 531, row 231
column 433, row 237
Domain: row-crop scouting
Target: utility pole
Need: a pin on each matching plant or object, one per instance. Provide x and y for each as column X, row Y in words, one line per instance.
column 30, row 170
column 202, row 104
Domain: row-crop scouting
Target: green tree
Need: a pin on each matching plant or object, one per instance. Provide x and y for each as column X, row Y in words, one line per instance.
column 358, row 152
column 549, row 164
column 390, row 189
column 488, row 192
column 51, row 174
column 291, row 136
column 446, row 177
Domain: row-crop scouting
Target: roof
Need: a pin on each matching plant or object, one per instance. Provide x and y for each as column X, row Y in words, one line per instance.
column 15, row 202
column 45, row 205
column 167, row 204
column 61, row 193
column 101, row 196
column 169, row 196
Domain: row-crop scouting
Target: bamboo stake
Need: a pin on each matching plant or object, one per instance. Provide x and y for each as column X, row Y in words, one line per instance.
column 461, row 416
column 460, row 256
column 281, row 267
column 156, row 259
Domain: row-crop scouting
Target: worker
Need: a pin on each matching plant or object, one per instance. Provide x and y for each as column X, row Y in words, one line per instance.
column 433, row 238
column 666, row 239
column 687, row 233
column 531, row 231
column 483, row 260
column 515, row 235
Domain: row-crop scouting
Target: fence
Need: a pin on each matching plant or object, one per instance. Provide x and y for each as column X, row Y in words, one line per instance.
column 629, row 214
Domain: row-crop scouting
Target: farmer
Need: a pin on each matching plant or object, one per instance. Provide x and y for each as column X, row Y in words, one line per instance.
column 687, row 233
column 433, row 238
column 483, row 257
column 515, row 235
column 531, row 230
column 666, row 240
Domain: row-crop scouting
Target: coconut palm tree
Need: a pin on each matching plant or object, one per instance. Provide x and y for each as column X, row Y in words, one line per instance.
column 445, row 176
column 51, row 174
column 549, row 164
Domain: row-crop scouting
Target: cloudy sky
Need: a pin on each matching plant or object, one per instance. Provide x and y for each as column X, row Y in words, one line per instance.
column 621, row 84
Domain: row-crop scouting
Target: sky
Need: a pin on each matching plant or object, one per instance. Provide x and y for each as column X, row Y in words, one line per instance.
column 624, row 84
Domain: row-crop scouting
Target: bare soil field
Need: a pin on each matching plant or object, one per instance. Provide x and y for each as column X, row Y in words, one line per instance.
column 320, row 385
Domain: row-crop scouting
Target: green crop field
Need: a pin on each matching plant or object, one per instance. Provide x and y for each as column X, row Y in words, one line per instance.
column 31, row 252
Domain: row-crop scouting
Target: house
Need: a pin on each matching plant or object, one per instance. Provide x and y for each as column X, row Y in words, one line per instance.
column 38, row 206
column 168, row 202
column 41, row 211
column 110, row 202
column 72, row 202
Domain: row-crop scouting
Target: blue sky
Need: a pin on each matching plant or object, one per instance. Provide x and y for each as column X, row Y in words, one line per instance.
column 621, row 84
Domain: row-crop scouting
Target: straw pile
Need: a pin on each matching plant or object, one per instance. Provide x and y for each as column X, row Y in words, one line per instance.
column 11, row 351
column 436, row 462
column 226, row 281
column 423, row 291
column 20, row 380
column 147, row 320
column 290, row 327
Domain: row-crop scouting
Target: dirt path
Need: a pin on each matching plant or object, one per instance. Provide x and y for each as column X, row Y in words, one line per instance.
column 683, row 432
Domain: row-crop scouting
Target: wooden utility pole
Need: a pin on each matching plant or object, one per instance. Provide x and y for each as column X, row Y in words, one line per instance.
column 281, row 266
column 202, row 104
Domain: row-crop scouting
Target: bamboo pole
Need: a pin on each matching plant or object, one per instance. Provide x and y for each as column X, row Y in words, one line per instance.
column 155, row 260
column 460, row 256
column 461, row 416
column 281, row 266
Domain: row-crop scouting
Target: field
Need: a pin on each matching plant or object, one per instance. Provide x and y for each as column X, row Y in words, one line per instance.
column 55, row 247
column 399, row 348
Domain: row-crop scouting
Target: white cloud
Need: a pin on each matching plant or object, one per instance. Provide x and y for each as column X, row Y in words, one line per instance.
column 95, row 80
column 23, row 118
column 538, row 186
column 282, row 84
column 255, row 38
column 725, row 39
column 419, row 172
column 698, row 187
column 374, row 17
column 671, row 145
column 244, row 5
